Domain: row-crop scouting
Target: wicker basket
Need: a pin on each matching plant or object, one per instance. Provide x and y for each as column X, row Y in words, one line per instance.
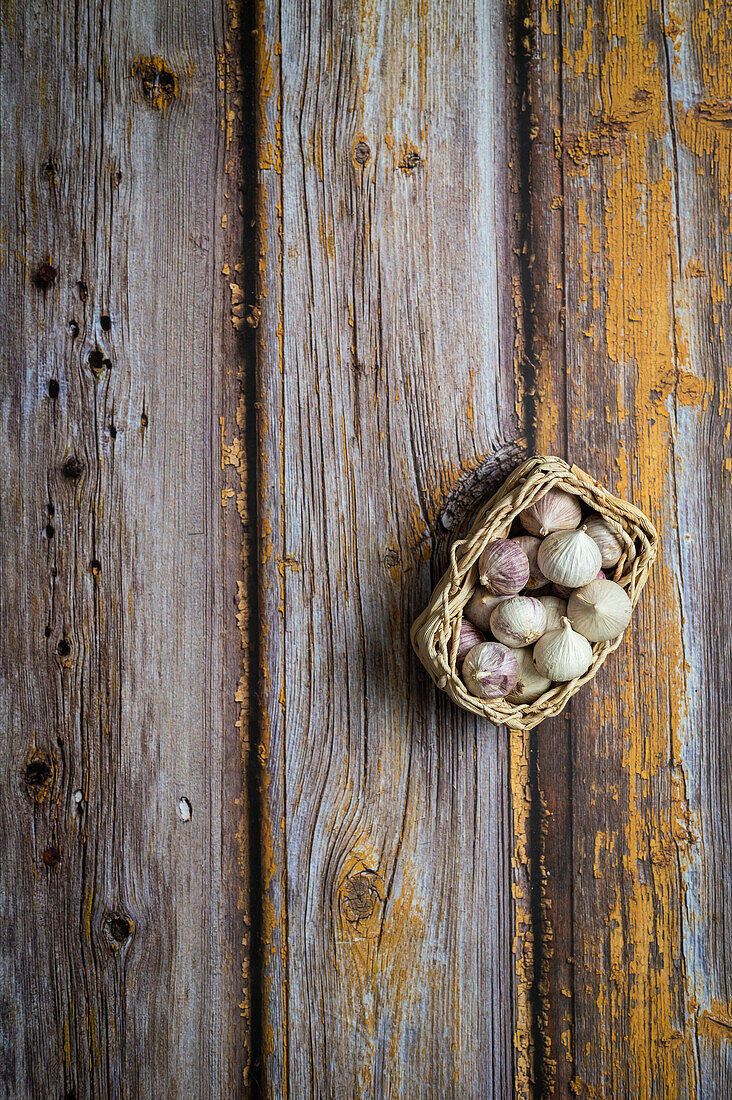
column 436, row 632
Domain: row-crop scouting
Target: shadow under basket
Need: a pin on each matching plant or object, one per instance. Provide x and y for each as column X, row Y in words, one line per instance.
column 436, row 632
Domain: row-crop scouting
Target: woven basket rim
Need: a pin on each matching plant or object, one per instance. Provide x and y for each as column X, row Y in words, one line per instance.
column 436, row 631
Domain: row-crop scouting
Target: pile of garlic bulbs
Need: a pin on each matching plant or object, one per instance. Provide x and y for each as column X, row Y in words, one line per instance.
column 543, row 598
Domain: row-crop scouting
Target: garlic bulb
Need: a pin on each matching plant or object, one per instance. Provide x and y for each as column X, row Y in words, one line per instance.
column 503, row 567
column 470, row 637
column 564, row 591
column 609, row 545
column 569, row 557
column 530, row 546
column 490, row 670
column 555, row 511
column 562, row 654
column 600, row 611
column 518, row 621
column 480, row 606
column 556, row 610
column 531, row 684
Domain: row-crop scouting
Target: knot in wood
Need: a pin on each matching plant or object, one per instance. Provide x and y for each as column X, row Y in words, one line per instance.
column 73, row 468
column 359, row 896
column 38, row 775
column 119, row 929
column 158, row 82
column 361, row 153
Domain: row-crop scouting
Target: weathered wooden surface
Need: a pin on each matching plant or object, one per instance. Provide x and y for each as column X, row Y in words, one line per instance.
column 630, row 185
column 386, row 371
column 480, row 233
column 121, row 965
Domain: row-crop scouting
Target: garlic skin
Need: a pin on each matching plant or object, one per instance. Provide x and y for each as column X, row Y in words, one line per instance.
column 564, row 592
column 556, row 610
column 555, row 511
column 469, row 638
column 531, row 684
column 562, row 654
column 490, row 670
column 503, row 568
column 608, row 543
column 479, row 607
column 571, row 558
column 600, row 611
column 518, row 621
column 530, row 546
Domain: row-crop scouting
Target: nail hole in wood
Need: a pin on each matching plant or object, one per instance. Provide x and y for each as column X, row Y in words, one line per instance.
column 112, row 430
column 83, row 290
column 144, row 420
column 106, row 322
column 64, row 647
column 47, row 632
column 45, row 276
column 95, row 566
column 96, row 360
column 73, row 328
column 51, row 857
column 50, row 531
column 53, row 388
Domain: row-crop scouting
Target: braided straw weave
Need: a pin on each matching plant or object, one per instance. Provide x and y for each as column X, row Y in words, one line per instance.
column 436, row 632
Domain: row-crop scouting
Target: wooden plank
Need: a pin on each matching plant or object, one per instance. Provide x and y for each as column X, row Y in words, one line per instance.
column 387, row 371
column 122, row 964
column 634, row 964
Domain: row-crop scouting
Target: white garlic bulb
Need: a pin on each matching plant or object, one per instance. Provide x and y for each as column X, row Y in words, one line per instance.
column 569, row 557
column 518, row 621
column 600, row 611
column 608, row 543
column 555, row 511
column 562, row 654
column 490, row 670
column 531, row 684
column 480, row 606
column 556, row 610
column 530, row 546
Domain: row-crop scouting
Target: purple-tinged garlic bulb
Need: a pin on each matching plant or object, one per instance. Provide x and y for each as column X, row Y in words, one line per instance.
column 469, row 638
column 608, row 543
column 503, row 567
column 555, row 511
column 530, row 546
column 490, row 670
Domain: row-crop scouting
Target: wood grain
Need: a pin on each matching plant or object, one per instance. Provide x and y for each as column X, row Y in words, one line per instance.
column 122, row 960
column 635, row 909
column 387, row 361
